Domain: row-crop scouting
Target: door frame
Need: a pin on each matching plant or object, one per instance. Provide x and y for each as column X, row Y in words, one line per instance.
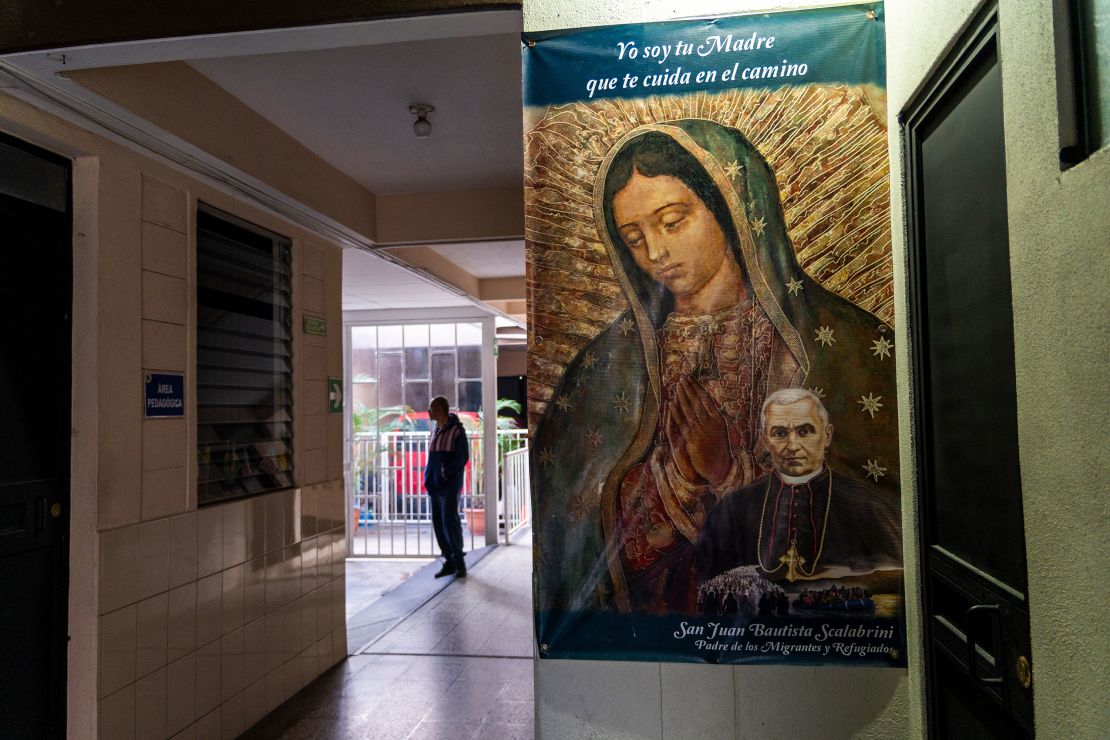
column 61, row 608
column 82, row 562
column 980, row 36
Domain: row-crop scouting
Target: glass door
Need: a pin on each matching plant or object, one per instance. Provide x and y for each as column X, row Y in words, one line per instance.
column 395, row 370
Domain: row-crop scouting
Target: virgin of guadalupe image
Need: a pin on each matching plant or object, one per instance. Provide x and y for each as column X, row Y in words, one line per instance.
column 657, row 418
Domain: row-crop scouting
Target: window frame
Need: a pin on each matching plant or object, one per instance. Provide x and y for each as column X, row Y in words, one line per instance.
column 1076, row 96
column 284, row 380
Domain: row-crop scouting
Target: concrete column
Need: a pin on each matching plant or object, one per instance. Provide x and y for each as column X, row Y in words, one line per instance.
column 489, row 428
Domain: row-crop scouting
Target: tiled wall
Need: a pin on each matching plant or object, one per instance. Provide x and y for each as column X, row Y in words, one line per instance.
column 211, row 618
column 207, row 618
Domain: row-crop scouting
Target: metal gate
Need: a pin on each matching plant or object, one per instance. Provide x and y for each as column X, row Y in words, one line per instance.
column 390, row 511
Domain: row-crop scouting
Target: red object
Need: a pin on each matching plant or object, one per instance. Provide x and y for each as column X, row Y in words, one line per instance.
column 410, row 464
column 475, row 520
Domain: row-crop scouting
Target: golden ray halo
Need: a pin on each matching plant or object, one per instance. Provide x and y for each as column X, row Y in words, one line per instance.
column 826, row 144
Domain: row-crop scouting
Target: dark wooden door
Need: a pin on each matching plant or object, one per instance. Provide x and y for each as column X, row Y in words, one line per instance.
column 978, row 660
column 35, row 299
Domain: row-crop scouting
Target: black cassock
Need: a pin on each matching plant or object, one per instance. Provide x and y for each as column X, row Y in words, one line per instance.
column 863, row 531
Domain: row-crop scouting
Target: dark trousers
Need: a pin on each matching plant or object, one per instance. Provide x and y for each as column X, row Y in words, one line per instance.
column 445, row 523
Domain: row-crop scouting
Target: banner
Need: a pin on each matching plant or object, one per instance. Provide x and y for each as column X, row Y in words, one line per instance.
column 714, row 439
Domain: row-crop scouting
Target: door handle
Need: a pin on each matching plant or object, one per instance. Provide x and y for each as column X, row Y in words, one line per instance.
column 972, row 662
column 39, row 516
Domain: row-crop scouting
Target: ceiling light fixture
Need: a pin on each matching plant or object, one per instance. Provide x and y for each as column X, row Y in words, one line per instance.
column 422, row 127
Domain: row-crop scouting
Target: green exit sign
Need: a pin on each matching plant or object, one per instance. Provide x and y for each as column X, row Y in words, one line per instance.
column 335, row 395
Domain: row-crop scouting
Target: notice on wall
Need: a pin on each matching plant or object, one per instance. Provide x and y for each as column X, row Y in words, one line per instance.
column 314, row 325
column 711, row 360
column 164, row 395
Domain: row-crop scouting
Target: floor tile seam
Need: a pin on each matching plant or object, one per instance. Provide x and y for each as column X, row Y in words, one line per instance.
column 405, row 618
column 483, row 562
column 401, row 619
column 454, row 604
column 375, row 639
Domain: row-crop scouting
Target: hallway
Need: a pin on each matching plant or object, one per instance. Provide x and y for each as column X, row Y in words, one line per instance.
column 459, row 666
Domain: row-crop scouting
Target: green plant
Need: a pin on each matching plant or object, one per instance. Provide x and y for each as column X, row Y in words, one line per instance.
column 504, row 422
column 505, row 443
column 508, row 404
column 384, row 419
column 369, row 423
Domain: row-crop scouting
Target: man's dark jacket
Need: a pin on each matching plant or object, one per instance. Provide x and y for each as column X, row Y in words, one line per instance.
column 448, row 454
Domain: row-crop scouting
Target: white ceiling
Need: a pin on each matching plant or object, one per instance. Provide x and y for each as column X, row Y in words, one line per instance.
column 486, row 259
column 350, row 106
column 372, row 283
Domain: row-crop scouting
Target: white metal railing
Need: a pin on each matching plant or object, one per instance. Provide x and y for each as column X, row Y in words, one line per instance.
column 390, row 511
column 515, row 490
column 511, row 439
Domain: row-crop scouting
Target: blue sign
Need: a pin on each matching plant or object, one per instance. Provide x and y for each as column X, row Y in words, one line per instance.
column 165, row 395
column 843, row 45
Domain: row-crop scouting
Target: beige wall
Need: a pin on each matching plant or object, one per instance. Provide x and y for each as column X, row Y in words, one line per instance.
column 512, row 360
column 1059, row 227
column 1059, row 240
column 181, row 101
column 465, row 215
column 184, row 619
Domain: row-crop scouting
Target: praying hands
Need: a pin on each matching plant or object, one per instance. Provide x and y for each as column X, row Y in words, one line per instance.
column 696, row 431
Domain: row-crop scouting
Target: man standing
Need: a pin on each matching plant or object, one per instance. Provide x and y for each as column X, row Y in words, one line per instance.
column 804, row 520
column 448, row 454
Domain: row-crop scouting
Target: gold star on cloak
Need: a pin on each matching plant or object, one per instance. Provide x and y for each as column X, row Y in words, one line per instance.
column 593, row 437
column 627, row 326
column 546, row 457
column 580, row 506
column 563, row 403
column 825, row 336
column 870, row 404
column 793, row 286
column 819, row 392
column 882, row 347
column 733, row 169
column 621, row 403
column 589, row 360
column 874, row 470
column 758, row 226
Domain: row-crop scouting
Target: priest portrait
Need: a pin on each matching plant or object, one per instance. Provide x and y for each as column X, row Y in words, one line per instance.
column 803, row 521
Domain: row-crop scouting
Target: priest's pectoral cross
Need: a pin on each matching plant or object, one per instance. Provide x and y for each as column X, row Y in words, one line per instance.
column 793, row 562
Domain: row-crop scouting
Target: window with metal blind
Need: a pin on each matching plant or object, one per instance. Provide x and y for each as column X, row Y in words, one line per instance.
column 244, row 359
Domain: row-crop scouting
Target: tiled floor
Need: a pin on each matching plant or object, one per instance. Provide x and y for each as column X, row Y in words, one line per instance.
column 460, row 666
column 367, row 579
